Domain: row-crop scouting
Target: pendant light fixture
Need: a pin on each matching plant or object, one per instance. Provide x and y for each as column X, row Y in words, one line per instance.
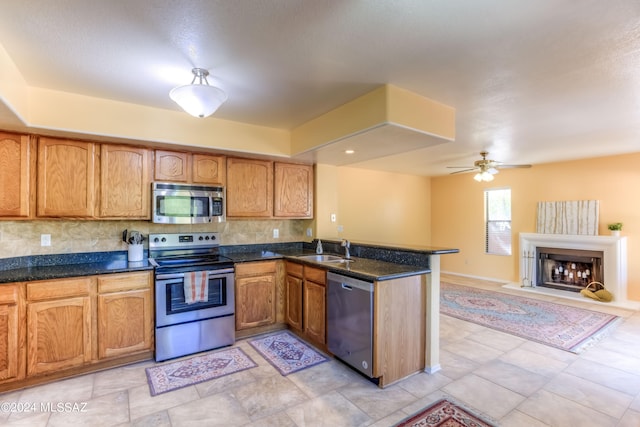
column 198, row 99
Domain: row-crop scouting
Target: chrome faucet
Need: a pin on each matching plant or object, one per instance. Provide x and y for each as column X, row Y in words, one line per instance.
column 346, row 244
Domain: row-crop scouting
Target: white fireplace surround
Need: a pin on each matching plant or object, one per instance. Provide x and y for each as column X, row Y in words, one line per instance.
column 614, row 260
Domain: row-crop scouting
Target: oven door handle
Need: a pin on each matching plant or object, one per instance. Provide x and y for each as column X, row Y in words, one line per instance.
column 210, row 273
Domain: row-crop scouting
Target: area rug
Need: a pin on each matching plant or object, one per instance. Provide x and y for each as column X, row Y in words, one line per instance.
column 286, row 352
column 172, row 376
column 444, row 413
column 556, row 325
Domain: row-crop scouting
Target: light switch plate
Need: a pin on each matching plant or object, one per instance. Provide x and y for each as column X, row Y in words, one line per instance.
column 45, row 240
column 276, row 233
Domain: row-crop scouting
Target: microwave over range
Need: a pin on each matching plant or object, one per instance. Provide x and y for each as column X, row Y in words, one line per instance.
column 187, row 203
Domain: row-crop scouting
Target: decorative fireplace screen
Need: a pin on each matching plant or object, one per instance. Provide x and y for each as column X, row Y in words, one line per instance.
column 568, row 269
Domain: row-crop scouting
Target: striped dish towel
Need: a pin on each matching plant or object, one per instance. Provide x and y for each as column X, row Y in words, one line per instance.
column 196, row 287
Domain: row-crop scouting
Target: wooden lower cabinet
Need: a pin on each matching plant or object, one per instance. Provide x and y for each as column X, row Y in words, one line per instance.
column 314, row 311
column 125, row 314
column 58, row 324
column 255, row 294
column 294, row 286
column 10, row 334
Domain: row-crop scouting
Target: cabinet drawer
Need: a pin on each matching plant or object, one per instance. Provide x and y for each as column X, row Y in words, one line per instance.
column 123, row 282
column 294, row 269
column 8, row 294
column 60, row 288
column 254, row 268
column 315, row 275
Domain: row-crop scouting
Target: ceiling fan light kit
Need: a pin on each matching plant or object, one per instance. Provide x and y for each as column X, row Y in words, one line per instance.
column 198, row 99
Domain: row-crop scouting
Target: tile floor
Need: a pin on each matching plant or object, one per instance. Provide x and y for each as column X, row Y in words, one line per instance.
column 512, row 381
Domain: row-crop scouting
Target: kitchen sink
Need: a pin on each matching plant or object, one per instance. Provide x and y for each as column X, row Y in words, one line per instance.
column 324, row 258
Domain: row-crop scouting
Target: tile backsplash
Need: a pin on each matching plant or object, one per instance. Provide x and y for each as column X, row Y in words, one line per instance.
column 22, row 238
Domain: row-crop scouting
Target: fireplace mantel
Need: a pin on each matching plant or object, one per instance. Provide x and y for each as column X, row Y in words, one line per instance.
column 614, row 259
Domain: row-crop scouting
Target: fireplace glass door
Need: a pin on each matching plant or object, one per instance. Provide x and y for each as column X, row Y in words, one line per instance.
column 568, row 269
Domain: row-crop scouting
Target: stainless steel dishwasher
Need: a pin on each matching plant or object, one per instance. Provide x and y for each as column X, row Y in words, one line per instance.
column 350, row 321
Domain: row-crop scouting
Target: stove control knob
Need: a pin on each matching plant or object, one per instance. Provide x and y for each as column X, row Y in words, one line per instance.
column 213, row 237
column 200, row 238
column 156, row 240
column 206, row 238
column 164, row 239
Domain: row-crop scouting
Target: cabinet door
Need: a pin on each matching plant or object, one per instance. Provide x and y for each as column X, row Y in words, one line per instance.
column 58, row 334
column 293, row 190
column 314, row 311
column 65, row 178
column 125, row 323
column 255, row 301
column 9, row 333
column 249, row 188
column 124, row 182
column 172, row 166
column 293, row 315
column 209, row 169
column 17, row 176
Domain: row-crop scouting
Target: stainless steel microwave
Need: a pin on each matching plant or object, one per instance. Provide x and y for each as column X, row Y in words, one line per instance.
column 187, row 204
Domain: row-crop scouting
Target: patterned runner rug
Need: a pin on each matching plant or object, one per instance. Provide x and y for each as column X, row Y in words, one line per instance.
column 561, row 326
column 286, row 352
column 444, row 413
column 172, row 376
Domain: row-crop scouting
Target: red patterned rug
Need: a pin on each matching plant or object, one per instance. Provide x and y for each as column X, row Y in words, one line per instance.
column 286, row 352
column 444, row 413
column 172, row 376
column 557, row 325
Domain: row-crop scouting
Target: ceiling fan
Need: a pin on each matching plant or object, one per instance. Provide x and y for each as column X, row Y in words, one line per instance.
column 486, row 168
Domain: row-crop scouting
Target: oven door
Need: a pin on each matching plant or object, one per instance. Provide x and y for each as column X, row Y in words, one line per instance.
column 172, row 309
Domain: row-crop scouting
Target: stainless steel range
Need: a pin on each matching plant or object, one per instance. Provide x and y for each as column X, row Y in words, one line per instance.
column 194, row 285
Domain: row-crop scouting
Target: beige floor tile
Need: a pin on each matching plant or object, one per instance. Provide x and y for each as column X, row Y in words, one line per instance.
column 454, row 366
column 225, row 383
column 281, row 419
column 474, row 351
column 141, row 403
column 592, row 395
column 512, row 377
column 119, row 379
column 268, row 396
column 377, row 403
column 497, row 340
column 216, row 410
column 630, row 419
column 614, row 359
column 39, row 419
column 422, row 384
column 519, row 419
column 331, row 409
column 534, row 362
column 323, row 378
column 485, row 396
column 605, row 375
column 157, row 419
column 556, row 411
column 103, row 411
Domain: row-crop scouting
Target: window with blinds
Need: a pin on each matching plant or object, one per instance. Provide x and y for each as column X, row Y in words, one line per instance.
column 497, row 204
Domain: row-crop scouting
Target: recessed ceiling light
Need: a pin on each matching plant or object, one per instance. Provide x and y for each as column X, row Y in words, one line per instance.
column 349, row 151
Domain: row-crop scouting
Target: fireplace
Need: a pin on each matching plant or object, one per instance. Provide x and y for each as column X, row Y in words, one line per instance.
column 611, row 269
column 568, row 269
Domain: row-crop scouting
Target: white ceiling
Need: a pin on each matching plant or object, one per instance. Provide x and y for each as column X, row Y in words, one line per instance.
column 531, row 81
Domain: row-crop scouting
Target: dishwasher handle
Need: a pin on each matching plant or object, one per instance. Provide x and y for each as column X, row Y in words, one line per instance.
column 349, row 283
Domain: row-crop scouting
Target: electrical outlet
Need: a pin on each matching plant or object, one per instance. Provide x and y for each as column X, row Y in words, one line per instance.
column 333, row 217
column 45, row 240
column 276, row 233
column 309, row 232
column 340, row 229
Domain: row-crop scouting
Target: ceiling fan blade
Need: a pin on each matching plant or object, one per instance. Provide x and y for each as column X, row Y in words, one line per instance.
column 513, row 166
column 460, row 167
column 463, row 171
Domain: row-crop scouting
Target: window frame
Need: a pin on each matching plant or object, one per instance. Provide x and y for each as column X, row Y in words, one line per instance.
column 508, row 242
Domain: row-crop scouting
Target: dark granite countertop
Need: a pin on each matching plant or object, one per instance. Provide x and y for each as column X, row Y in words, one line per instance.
column 47, row 267
column 370, row 261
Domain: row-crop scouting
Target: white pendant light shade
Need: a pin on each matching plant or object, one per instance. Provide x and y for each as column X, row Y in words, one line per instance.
column 198, row 99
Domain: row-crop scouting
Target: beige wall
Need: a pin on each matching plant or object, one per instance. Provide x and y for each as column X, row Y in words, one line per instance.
column 458, row 210
column 372, row 206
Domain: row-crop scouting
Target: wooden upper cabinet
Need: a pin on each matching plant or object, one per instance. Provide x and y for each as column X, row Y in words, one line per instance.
column 293, row 190
column 17, row 176
column 125, row 182
column 172, row 166
column 249, row 188
column 65, row 178
column 208, row 169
